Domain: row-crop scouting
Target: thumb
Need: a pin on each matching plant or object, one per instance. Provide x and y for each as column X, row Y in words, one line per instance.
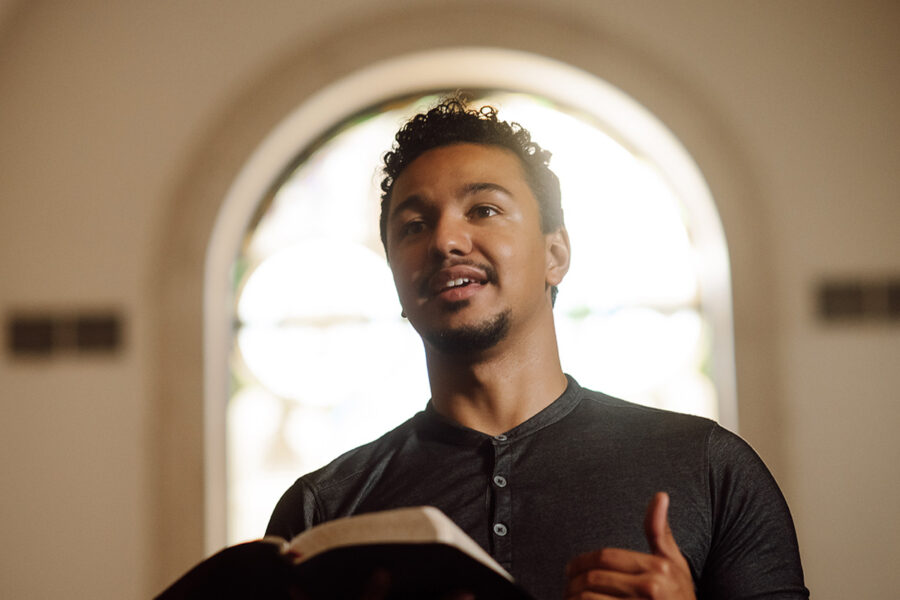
column 656, row 527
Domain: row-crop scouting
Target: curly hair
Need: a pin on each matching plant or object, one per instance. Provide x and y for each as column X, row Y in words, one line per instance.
column 453, row 122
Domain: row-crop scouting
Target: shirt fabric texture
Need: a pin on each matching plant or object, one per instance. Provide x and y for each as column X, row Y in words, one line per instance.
column 574, row 478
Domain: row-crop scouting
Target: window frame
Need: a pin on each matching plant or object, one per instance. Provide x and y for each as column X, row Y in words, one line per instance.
column 619, row 114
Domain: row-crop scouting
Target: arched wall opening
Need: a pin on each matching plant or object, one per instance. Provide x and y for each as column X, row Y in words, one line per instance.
column 449, row 69
column 242, row 121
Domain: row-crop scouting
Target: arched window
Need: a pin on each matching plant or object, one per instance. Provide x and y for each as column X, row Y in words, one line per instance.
column 319, row 359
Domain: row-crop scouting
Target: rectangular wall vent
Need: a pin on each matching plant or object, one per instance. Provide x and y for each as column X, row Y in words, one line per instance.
column 860, row 300
column 45, row 334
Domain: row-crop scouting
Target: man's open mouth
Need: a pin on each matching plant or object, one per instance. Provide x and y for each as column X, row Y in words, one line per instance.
column 457, row 277
column 462, row 281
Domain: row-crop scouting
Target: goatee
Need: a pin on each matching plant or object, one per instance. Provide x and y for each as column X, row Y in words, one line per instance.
column 470, row 339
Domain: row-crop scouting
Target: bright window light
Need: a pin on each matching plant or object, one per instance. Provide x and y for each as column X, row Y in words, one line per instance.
column 322, row 360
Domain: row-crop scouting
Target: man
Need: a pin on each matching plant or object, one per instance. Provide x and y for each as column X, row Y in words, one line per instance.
column 553, row 480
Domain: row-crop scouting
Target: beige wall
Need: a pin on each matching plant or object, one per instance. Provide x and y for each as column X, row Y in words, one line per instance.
column 121, row 125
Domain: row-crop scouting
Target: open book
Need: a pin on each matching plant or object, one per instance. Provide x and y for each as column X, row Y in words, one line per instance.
column 405, row 553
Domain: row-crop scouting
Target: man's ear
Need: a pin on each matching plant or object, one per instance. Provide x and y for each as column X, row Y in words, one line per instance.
column 558, row 253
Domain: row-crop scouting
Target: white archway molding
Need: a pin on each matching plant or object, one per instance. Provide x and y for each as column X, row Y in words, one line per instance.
column 469, row 67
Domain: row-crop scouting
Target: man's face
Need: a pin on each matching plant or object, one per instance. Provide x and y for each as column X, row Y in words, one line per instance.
column 464, row 240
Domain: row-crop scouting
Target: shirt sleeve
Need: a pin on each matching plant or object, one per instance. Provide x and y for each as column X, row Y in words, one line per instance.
column 754, row 551
column 296, row 511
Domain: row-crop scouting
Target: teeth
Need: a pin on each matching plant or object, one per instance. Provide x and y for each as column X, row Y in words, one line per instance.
column 457, row 282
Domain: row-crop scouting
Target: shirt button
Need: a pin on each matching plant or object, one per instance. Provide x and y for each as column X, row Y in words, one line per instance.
column 500, row 480
column 500, row 529
column 500, row 438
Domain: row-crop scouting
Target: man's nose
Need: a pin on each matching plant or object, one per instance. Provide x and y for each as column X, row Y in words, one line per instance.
column 452, row 236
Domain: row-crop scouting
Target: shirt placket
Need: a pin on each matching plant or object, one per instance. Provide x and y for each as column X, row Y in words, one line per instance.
column 502, row 525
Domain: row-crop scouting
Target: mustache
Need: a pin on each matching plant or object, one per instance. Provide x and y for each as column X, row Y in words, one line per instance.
column 425, row 285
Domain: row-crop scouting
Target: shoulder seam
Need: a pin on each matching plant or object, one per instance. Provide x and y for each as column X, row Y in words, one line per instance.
column 333, row 481
column 318, row 517
column 707, row 467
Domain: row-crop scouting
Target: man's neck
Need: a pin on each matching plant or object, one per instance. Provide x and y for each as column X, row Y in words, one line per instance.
column 499, row 389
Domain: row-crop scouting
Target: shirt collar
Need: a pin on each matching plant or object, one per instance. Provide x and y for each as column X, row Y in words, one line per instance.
column 433, row 424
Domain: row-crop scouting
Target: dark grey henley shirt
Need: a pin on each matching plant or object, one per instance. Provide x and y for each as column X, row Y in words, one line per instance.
column 575, row 477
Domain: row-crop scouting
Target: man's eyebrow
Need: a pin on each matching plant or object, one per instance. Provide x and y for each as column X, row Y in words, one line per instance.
column 414, row 201
column 483, row 186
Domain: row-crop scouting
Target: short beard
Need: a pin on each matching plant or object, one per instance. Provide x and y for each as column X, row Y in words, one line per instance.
column 470, row 339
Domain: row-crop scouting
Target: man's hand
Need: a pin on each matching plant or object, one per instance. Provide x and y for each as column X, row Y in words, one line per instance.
column 618, row 573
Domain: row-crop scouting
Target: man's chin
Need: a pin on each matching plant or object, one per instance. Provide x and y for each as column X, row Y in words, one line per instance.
column 470, row 339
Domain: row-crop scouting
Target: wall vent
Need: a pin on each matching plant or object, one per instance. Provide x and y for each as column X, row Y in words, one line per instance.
column 44, row 334
column 860, row 300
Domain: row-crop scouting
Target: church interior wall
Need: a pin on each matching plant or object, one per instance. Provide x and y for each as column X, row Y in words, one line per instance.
column 122, row 125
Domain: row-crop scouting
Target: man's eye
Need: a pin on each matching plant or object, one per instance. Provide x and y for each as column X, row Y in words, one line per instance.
column 412, row 228
column 485, row 211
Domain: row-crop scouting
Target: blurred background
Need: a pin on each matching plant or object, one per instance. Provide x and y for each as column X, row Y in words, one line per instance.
column 129, row 132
